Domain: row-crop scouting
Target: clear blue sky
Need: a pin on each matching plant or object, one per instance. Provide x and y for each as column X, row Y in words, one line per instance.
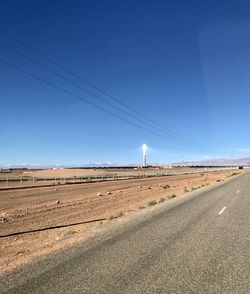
column 184, row 64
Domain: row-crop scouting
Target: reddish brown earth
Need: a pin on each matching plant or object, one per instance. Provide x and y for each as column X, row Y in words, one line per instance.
column 30, row 209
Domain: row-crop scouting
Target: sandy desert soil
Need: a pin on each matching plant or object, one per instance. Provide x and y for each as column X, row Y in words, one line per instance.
column 62, row 173
column 81, row 172
column 61, row 176
column 30, row 209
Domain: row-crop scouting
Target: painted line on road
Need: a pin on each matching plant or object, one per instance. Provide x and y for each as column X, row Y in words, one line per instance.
column 223, row 209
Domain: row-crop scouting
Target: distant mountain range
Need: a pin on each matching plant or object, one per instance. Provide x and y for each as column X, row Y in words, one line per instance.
column 37, row 166
column 220, row 162
column 209, row 162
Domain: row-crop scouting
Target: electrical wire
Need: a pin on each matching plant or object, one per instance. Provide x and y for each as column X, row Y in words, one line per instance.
column 86, row 91
column 81, row 99
column 164, row 129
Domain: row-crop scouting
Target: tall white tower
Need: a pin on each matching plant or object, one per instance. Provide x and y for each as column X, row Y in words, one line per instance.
column 144, row 149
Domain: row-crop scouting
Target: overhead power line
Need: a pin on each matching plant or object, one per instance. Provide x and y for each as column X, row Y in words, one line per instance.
column 160, row 126
column 82, row 99
column 89, row 92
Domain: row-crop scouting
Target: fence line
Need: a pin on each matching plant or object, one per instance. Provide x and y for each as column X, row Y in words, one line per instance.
column 28, row 181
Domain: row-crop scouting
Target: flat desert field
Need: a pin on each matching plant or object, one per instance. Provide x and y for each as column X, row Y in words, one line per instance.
column 60, row 176
column 28, row 216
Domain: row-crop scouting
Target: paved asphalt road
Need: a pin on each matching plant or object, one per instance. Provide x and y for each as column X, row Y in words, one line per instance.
column 199, row 243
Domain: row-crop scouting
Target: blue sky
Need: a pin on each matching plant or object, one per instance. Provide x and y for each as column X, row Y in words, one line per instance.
column 184, row 64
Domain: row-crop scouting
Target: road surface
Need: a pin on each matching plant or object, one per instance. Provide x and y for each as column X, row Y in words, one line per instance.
column 199, row 243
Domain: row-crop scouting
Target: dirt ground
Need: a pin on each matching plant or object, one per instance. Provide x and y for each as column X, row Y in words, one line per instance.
column 62, row 176
column 62, row 173
column 25, row 210
column 83, row 172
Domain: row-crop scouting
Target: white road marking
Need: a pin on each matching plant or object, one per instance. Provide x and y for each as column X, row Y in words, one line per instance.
column 238, row 191
column 223, row 209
